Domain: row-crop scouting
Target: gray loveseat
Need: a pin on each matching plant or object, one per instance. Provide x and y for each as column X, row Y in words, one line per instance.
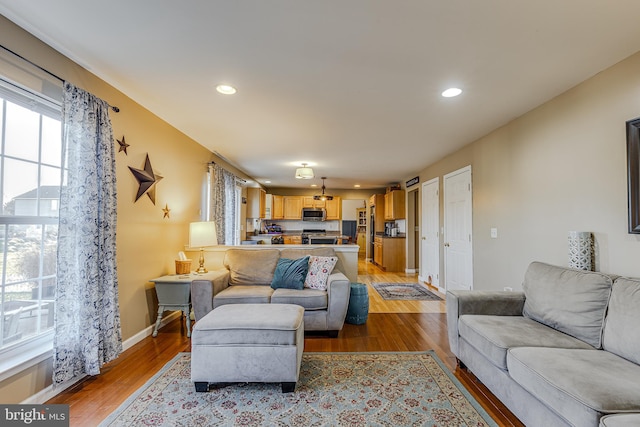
column 564, row 352
column 247, row 277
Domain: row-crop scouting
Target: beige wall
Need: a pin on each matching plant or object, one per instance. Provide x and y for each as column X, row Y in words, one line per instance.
column 147, row 243
column 560, row 167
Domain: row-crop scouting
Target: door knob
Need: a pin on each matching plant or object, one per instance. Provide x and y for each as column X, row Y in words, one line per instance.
column 446, row 245
column 424, row 238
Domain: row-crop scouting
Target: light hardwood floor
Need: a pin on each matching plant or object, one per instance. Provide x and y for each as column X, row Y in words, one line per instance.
column 391, row 326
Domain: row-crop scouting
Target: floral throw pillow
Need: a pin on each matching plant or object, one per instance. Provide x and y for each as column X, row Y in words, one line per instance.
column 320, row 267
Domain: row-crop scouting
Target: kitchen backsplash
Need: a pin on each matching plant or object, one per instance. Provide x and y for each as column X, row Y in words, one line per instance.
column 293, row 225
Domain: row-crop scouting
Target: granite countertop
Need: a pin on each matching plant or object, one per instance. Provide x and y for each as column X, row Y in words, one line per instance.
column 399, row 236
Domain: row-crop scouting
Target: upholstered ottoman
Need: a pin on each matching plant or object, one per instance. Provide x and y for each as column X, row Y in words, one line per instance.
column 248, row 343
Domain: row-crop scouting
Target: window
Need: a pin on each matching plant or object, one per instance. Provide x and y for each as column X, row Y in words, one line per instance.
column 31, row 173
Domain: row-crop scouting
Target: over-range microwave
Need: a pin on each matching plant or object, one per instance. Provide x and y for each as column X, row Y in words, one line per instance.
column 314, row 214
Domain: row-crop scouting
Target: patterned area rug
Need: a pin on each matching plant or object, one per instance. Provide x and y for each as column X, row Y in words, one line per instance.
column 405, row 291
column 335, row 389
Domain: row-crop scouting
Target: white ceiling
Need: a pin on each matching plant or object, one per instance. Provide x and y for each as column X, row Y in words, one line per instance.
column 351, row 87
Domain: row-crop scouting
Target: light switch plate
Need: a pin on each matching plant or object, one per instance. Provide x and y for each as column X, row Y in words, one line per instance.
column 494, row 233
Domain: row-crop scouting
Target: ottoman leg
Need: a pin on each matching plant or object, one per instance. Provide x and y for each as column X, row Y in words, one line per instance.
column 201, row 386
column 288, row 387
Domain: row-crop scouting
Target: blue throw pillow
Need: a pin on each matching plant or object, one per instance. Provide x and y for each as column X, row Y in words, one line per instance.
column 290, row 273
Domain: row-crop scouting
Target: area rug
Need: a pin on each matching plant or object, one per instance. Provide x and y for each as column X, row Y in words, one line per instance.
column 405, row 291
column 334, row 389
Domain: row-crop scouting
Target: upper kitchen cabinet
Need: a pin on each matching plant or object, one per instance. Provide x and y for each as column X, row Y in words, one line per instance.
column 394, row 205
column 334, row 209
column 256, row 202
column 310, row 202
column 292, row 207
column 277, row 207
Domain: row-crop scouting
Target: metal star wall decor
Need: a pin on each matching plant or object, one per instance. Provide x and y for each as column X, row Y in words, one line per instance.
column 166, row 211
column 147, row 180
column 123, row 145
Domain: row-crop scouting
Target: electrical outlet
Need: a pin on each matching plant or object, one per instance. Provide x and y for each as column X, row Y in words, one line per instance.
column 508, row 288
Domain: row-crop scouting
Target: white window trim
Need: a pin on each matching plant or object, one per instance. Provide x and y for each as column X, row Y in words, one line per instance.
column 15, row 359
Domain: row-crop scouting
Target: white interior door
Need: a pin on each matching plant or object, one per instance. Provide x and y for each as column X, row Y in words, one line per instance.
column 430, row 236
column 458, row 247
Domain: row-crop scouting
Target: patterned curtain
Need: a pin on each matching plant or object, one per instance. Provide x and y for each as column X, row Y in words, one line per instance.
column 87, row 317
column 223, row 209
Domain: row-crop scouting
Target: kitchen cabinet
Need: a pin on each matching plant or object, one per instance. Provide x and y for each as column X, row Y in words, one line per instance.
column 277, row 207
column 256, row 202
column 334, row 208
column 377, row 201
column 362, row 217
column 309, row 202
column 292, row 240
column 292, row 207
column 389, row 253
column 394, row 205
column 377, row 251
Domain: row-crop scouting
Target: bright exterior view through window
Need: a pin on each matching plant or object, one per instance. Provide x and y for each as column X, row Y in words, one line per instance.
column 30, row 179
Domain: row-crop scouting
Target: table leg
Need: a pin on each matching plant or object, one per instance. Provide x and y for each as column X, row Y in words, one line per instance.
column 158, row 320
column 187, row 313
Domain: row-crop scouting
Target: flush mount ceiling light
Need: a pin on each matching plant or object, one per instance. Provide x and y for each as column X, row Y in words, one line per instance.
column 323, row 196
column 451, row 92
column 226, row 89
column 304, row 172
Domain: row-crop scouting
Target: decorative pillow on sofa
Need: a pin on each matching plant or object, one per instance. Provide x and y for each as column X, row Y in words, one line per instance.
column 320, row 267
column 290, row 273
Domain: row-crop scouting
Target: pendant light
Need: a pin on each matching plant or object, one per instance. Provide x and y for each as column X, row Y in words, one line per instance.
column 304, row 172
column 323, row 196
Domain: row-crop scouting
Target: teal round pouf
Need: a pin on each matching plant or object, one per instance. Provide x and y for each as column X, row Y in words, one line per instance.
column 358, row 304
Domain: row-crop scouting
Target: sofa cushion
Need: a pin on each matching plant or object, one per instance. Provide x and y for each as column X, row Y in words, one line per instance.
column 251, row 267
column 620, row 420
column 494, row 335
column 290, row 273
column 240, row 294
column 310, row 299
column 621, row 330
column 571, row 301
column 320, row 268
column 266, row 324
column 579, row 385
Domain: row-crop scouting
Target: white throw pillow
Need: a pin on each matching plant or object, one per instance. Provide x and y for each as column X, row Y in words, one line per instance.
column 320, row 267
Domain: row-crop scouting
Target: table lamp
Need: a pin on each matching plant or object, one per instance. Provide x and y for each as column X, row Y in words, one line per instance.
column 202, row 234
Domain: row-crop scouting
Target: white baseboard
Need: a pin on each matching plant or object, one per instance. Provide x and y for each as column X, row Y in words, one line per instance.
column 411, row 270
column 50, row 392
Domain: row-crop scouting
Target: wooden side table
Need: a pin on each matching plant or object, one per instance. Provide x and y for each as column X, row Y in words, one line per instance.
column 174, row 293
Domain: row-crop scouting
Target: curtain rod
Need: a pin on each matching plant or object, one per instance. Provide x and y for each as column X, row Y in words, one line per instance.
column 113, row 107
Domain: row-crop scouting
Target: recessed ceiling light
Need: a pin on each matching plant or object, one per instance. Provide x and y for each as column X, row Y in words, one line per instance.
column 267, row 182
column 451, row 92
column 357, row 185
column 226, row 89
column 314, row 185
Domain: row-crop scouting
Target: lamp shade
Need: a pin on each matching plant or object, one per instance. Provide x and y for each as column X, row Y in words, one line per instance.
column 202, row 234
column 304, row 172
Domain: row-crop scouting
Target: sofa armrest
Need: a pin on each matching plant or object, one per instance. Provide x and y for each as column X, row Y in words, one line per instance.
column 338, row 291
column 203, row 291
column 497, row 303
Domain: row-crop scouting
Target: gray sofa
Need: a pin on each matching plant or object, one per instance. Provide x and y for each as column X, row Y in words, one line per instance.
column 247, row 277
column 564, row 352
